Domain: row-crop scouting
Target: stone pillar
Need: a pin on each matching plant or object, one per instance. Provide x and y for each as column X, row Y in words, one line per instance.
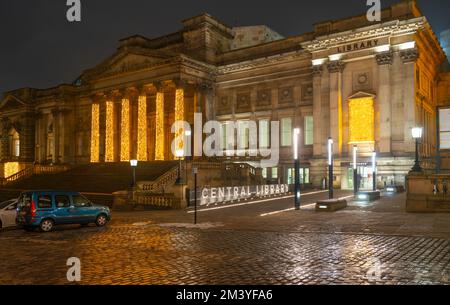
column 110, row 134
column 125, row 125
column 409, row 58
column 207, row 91
column 56, row 133
column 4, row 144
column 95, row 132
column 317, row 109
column 384, row 61
column 179, row 115
column 336, row 68
column 160, row 130
column 142, row 125
column 27, row 137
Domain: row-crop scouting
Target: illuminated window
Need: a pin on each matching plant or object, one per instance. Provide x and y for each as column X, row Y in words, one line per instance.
column 264, row 134
column 275, row 173
column 309, row 130
column 264, row 173
column 361, row 117
column 286, row 132
column 15, row 144
column 244, row 134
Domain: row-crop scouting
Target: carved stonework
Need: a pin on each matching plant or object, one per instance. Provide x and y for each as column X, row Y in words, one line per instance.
column 307, row 92
column 243, row 102
column 317, row 70
column 362, row 80
column 264, row 97
column 224, row 106
column 385, row 58
column 286, row 95
column 336, row 66
column 410, row 55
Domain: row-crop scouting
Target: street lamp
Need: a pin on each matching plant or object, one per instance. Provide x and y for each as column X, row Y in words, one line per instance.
column 417, row 133
column 330, row 168
column 297, row 168
column 134, row 164
column 374, row 170
column 179, row 153
column 355, row 170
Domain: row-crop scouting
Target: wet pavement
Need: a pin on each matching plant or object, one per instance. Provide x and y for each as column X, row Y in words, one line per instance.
column 254, row 243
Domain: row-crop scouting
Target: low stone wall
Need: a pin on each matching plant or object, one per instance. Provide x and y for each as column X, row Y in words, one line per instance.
column 421, row 197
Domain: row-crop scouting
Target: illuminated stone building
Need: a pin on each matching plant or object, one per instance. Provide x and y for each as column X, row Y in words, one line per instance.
column 361, row 83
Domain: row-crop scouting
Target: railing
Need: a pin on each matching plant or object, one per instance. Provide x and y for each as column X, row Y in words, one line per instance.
column 50, row 169
column 34, row 170
column 158, row 201
column 160, row 184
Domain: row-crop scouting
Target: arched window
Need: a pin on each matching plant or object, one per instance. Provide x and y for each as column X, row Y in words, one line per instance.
column 14, row 144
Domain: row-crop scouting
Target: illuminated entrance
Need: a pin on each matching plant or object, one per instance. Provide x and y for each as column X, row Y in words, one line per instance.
column 361, row 133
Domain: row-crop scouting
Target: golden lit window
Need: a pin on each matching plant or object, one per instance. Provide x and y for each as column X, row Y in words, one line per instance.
column 361, row 120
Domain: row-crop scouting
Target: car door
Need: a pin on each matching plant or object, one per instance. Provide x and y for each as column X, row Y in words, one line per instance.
column 10, row 213
column 63, row 210
column 83, row 209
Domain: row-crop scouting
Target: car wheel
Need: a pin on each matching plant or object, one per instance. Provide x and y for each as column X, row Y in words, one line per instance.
column 1, row 225
column 47, row 225
column 101, row 220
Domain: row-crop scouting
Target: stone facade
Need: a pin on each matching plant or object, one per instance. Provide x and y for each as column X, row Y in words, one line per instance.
column 343, row 71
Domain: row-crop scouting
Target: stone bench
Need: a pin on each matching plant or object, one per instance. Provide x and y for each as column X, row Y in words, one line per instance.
column 368, row 196
column 331, row 205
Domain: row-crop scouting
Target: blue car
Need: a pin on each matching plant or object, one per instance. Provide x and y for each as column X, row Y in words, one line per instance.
column 45, row 209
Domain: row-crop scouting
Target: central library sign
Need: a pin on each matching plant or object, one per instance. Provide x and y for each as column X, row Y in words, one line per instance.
column 218, row 195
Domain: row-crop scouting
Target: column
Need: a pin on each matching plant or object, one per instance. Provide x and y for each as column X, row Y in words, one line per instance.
column 409, row 58
column 384, row 61
column 95, row 133
column 160, row 132
column 317, row 109
column 57, row 131
column 179, row 115
column 336, row 68
column 125, row 129
column 110, row 137
column 142, row 153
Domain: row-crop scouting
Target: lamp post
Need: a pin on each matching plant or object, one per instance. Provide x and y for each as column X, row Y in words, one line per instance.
column 297, row 168
column 134, row 164
column 179, row 154
column 330, row 169
column 374, row 170
column 355, row 170
column 417, row 133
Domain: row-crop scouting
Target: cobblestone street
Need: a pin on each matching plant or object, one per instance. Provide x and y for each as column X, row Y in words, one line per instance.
column 138, row 249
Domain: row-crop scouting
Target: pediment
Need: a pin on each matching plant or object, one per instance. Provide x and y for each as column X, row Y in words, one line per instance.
column 126, row 61
column 10, row 102
column 360, row 95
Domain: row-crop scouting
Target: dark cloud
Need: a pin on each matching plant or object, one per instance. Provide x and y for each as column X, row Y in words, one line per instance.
column 39, row 48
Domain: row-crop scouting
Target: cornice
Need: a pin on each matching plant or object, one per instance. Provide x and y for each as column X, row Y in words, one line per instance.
column 395, row 27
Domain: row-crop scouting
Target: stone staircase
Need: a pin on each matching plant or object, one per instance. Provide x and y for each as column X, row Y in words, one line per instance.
column 96, row 181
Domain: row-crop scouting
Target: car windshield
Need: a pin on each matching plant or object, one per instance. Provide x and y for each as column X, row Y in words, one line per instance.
column 5, row 204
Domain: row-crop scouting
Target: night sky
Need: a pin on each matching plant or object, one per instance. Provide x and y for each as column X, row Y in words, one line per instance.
column 40, row 48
